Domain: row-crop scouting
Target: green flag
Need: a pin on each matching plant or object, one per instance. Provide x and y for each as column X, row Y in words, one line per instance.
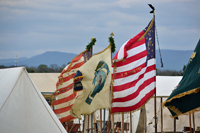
column 186, row 97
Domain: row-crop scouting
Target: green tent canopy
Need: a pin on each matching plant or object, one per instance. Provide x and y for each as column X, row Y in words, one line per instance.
column 186, row 97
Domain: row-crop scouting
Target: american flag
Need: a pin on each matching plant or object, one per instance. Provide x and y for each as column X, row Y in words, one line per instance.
column 135, row 71
column 65, row 96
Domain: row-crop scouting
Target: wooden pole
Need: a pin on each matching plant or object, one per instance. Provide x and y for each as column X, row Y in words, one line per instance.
column 190, row 123
column 100, row 120
column 88, row 123
column 109, row 121
column 94, row 123
column 155, row 113
column 193, row 121
column 104, row 119
column 174, row 124
column 161, row 115
column 122, row 122
column 111, row 90
column 83, row 125
column 113, row 128
column 130, row 122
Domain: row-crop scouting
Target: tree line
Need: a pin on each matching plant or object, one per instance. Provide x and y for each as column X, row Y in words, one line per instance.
column 170, row 72
column 54, row 68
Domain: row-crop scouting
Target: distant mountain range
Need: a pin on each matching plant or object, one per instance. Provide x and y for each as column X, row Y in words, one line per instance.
column 47, row 58
column 172, row 59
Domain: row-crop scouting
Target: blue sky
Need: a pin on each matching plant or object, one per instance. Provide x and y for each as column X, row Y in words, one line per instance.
column 31, row 27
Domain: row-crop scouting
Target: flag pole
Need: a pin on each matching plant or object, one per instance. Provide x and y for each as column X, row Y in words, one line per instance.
column 91, row 123
column 122, row 122
column 111, row 88
column 83, row 125
column 155, row 98
column 113, row 122
column 109, row 122
column 155, row 113
column 88, row 123
column 190, row 122
column 153, row 11
column 90, row 47
column 130, row 122
column 95, row 130
column 111, row 39
column 100, row 120
column 104, row 118
column 161, row 115
column 174, row 124
column 193, row 121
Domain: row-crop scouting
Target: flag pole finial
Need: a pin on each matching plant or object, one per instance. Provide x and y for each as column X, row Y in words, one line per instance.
column 152, row 7
column 112, row 34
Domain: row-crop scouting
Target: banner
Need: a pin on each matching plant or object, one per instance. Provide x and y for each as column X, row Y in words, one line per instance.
column 185, row 98
column 95, row 79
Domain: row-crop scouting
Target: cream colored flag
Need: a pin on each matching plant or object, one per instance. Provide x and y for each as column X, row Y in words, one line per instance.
column 95, row 79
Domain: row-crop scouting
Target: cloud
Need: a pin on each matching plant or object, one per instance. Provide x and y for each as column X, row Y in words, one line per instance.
column 67, row 26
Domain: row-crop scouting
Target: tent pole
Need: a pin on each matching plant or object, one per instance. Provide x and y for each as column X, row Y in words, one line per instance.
column 161, row 115
column 130, row 122
column 155, row 113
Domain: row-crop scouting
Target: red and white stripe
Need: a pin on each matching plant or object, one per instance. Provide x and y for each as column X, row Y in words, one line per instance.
column 64, row 94
column 134, row 82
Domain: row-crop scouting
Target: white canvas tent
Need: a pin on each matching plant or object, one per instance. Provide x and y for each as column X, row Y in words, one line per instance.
column 164, row 87
column 166, row 84
column 23, row 109
column 46, row 83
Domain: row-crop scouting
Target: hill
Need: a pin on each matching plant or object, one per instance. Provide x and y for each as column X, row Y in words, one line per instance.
column 172, row 59
column 47, row 58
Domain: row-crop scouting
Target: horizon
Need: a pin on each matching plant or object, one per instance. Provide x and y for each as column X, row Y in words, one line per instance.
column 78, row 53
